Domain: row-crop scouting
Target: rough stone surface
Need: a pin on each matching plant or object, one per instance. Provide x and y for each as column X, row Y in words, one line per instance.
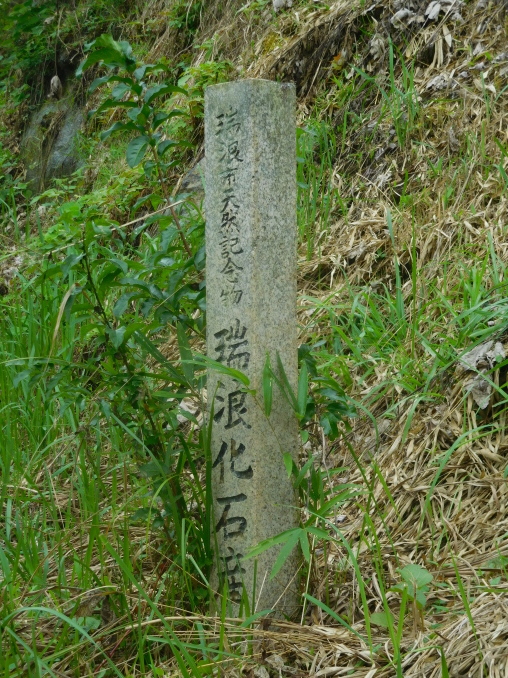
column 49, row 145
column 64, row 158
column 250, row 209
column 192, row 182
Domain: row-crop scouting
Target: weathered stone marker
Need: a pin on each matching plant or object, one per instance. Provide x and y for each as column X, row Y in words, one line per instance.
column 250, row 209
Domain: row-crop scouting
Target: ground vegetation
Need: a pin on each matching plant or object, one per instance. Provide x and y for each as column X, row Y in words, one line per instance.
column 402, row 218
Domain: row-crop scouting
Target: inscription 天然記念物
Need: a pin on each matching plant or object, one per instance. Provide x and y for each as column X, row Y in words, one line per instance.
column 227, row 127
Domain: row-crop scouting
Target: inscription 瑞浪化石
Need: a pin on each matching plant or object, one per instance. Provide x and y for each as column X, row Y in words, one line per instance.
column 231, row 346
column 232, row 349
column 233, row 568
column 234, row 408
column 226, row 522
column 227, row 127
column 236, row 450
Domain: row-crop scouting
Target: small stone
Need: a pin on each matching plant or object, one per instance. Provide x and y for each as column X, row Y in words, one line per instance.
column 282, row 4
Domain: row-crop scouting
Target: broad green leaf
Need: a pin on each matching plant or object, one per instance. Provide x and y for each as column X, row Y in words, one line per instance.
column 118, row 127
column 139, row 114
column 70, row 262
column 136, row 150
column 382, row 619
column 115, row 78
column 165, row 145
column 116, row 336
column 98, row 82
column 140, row 71
column 421, row 599
column 160, row 90
column 120, row 90
column 123, row 302
column 169, row 143
column 21, row 376
column 113, row 103
column 416, row 576
column 108, row 56
column 288, row 463
column 160, row 117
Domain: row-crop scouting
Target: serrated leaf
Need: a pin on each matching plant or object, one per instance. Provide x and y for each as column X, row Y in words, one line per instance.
column 136, row 150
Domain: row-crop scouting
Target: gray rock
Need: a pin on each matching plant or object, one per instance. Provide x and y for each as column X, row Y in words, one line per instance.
column 282, row 4
column 251, row 236
column 193, row 181
column 63, row 159
column 49, row 146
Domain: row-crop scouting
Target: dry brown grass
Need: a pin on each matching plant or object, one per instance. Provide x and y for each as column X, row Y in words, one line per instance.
column 450, row 518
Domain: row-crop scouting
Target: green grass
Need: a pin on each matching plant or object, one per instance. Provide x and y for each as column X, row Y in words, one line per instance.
column 105, row 551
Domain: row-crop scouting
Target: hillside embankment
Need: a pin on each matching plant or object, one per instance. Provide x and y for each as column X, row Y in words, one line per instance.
column 403, row 313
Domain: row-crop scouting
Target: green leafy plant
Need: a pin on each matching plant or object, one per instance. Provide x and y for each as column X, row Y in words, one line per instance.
column 141, row 99
column 415, row 581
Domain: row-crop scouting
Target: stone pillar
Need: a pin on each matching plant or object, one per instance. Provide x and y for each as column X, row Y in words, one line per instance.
column 251, row 239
